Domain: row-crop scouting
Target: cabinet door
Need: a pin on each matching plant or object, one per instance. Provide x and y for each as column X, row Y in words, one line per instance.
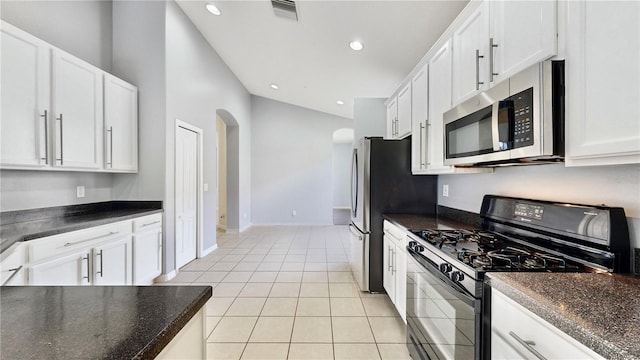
column 392, row 117
column 439, row 102
column 523, row 33
column 403, row 124
column 470, row 61
column 401, row 281
column 71, row 269
column 112, row 263
column 147, row 256
column 121, row 125
column 24, row 107
column 77, row 106
column 419, row 116
column 388, row 280
column 603, row 53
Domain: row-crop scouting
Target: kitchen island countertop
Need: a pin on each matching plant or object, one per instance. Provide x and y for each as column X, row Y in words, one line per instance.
column 94, row 322
column 601, row 311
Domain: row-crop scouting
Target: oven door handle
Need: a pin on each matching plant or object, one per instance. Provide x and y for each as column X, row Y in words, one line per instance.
column 432, row 268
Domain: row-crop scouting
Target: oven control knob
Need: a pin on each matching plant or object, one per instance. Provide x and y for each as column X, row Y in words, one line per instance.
column 419, row 248
column 412, row 244
column 457, row 276
column 445, row 268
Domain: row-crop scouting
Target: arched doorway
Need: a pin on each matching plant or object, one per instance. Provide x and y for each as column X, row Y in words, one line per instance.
column 341, row 172
column 228, row 171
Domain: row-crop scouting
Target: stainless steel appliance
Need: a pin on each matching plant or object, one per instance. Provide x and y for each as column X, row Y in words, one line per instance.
column 520, row 120
column 381, row 182
column 448, row 308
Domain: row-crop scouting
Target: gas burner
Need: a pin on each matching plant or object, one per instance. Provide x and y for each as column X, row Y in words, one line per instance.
column 482, row 262
column 508, row 257
column 534, row 262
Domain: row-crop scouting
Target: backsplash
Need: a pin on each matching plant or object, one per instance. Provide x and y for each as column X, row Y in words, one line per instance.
column 610, row 185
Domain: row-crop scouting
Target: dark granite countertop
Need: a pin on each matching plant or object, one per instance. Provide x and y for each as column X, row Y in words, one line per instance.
column 602, row 311
column 423, row 222
column 32, row 224
column 94, row 322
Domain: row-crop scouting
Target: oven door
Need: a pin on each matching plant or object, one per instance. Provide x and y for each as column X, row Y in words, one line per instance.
column 443, row 319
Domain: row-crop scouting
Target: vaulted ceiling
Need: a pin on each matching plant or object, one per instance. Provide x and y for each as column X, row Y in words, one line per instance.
column 310, row 59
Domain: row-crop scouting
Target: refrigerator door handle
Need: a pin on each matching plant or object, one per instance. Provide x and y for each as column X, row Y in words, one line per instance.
column 354, row 183
column 355, row 232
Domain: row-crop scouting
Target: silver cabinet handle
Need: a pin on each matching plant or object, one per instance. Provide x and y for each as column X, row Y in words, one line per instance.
column 61, row 141
column 390, row 266
column 491, row 60
column 426, row 134
column 422, row 127
column 393, row 258
column 478, row 57
column 15, row 272
column 88, row 269
column 46, row 138
column 151, row 223
column 101, row 261
column 528, row 344
column 110, row 131
column 93, row 238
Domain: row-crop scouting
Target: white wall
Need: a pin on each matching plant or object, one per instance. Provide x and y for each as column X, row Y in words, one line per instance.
column 84, row 30
column 610, row 185
column 369, row 118
column 198, row 84
column 291, row 163
column 341, row 174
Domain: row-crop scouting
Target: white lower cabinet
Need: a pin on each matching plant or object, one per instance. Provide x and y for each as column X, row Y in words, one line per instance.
column 517, row 333
column 112, row 263
column 12, row 271
column 69, row 269
column 394, row 276
column 147, row 249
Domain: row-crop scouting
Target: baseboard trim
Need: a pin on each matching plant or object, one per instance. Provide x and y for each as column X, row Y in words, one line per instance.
column 166, row 277
column 244, row 228
column 208, row 251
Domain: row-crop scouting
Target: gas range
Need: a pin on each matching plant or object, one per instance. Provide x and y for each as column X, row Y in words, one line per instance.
column 484, row 251
column 446, row 268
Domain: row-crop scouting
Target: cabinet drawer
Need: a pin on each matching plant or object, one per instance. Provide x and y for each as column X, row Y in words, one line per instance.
column 146, row 222
column 514, row 325
column 75, row 240
column 398, row 235
column 11, row 262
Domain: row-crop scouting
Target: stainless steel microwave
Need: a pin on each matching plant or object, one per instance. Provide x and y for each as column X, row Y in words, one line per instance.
column 519, row 121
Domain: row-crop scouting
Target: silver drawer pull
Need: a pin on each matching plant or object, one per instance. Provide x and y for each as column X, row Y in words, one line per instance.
column 528, row 344
column 93, row 238
column 15, row 272
column 151, row 223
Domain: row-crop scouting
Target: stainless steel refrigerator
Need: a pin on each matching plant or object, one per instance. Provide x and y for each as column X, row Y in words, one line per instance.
column 382, row 183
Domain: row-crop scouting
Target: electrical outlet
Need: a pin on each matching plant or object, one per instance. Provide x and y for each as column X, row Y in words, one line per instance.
column 445, row 190
column 80, row 191
column 293, row 213
column 244, row 215
column 206, row 187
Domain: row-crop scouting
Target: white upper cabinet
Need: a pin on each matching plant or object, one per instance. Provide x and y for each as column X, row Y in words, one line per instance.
column 419, row 116
column 52, row 110
column 392, row 118
column 522, row 33
column 602, row 91
column 439, row 102
column 403, row 124
column 77, row 108
column 121, row 125
column 25, row 99
column 470, row 60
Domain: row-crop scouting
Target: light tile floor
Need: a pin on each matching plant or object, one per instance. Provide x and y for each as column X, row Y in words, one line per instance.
column 286, row 292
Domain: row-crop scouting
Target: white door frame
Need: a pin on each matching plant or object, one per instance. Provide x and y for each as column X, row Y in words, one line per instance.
column 199, row 188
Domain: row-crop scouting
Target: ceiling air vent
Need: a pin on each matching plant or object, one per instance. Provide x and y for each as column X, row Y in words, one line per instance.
column 285, row 8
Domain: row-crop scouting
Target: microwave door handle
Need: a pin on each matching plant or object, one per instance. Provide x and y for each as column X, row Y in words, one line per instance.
column 495, row 132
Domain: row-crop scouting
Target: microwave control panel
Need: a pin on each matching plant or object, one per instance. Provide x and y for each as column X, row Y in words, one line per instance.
column 523, row 118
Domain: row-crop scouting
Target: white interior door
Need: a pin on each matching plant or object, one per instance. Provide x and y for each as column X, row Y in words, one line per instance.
column 186, row 195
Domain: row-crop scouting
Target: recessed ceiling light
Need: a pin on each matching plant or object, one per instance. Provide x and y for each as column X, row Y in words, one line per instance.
column 340, row 102
column 275, row 87
column 213, row 9
column 356, row 45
